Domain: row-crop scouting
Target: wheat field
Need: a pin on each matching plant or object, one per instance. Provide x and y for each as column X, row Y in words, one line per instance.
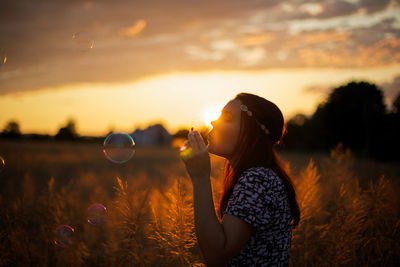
column 350, row 208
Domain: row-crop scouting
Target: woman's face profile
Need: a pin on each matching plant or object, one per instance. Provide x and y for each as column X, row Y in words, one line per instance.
column 224, row 135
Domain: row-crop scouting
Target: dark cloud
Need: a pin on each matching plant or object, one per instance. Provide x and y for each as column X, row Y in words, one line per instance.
column 331, row 8
column 372, row 6
column 370, row 35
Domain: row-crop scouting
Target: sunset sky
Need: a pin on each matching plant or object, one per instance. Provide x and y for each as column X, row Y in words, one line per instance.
column 126, row 64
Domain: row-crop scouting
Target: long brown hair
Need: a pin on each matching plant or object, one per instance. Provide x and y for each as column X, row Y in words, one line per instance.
column 255, row 149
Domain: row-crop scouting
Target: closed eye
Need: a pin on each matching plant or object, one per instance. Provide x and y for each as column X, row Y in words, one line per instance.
column 226, row 116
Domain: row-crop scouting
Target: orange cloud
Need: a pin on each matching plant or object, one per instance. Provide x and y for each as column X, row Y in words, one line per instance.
column 378, row 54
column 320, row 37
column 256, row 39
column 133, row 30
column 314, row 58
column 397, row 57
column 323, row 37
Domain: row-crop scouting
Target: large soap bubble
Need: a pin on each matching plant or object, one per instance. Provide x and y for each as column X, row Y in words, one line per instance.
column 83, row 41
column 119, row 147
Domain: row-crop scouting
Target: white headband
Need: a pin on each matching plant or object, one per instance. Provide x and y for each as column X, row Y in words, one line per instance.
column 250, row 114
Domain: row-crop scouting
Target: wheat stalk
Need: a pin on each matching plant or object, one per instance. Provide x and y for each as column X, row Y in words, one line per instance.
column 173, row 226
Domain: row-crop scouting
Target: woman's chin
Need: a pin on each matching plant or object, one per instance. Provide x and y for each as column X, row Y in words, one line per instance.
column 210, row 148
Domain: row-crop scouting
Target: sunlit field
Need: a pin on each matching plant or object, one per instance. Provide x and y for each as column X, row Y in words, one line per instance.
column 350, row 207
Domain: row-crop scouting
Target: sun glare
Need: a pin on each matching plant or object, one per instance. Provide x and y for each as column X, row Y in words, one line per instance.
column 211, row 114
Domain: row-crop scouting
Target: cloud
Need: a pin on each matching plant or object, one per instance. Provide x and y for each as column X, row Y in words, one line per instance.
column 312, row 8
column 373, row 6
column 318, row 89
column 223, row 45
column 391, row 89
column 251, row 57
column 165, row 36
column 350, row 21
column 384, row 52
column 300, row 10
column 256, row 39
column 133, row 30
column 198, row 53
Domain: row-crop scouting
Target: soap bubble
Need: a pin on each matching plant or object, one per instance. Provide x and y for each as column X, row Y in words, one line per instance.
column 63, row 235
column 83, row 41
column 97, row 214
column 3, row 57
column 2, row 164
column 119, row 147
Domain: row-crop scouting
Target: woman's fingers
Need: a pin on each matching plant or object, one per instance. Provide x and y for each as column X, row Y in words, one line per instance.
column 199, row 140
column 196, row 157
column 192, row 140
column 196, row 141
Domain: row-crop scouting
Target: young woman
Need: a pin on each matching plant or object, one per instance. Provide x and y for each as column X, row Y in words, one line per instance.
column 258, row 206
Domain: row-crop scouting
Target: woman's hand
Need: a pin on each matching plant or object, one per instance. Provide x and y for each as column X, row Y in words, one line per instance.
column 197, row 162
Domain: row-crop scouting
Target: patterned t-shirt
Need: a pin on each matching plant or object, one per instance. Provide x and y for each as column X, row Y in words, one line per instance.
column 260, row 199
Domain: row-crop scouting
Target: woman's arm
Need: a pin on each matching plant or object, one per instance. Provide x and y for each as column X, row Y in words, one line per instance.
column 218, row 241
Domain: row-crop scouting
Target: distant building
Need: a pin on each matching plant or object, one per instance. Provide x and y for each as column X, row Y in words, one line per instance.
column 155, row 135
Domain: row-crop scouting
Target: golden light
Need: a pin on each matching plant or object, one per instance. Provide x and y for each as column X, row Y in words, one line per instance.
column 211, row 114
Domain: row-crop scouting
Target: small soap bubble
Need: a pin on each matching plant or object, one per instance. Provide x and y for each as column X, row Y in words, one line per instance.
column 2, row 164
column 83, row 41
column 64, row 236
column 119, row 147
column 97, row 214
column 3, row 57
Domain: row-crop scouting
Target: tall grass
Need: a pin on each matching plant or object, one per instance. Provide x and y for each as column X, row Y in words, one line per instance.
column 127, row 246
column 173, row 226
column 344, row 222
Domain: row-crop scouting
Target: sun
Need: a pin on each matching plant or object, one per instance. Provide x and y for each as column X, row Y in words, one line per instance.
column 210, row 114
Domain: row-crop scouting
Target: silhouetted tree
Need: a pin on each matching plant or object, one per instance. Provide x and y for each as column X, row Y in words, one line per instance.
column 68, row 132
column 391, row 132
column 11, row 130
column 296, row 136
column 396, row 105
column 354, row 115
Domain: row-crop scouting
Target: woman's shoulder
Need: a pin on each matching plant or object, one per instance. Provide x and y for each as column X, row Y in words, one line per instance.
column 261, row 176
column 259, row 172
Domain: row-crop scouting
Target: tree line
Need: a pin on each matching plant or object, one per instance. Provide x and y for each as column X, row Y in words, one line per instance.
column 354, row 115
column 68, row 132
